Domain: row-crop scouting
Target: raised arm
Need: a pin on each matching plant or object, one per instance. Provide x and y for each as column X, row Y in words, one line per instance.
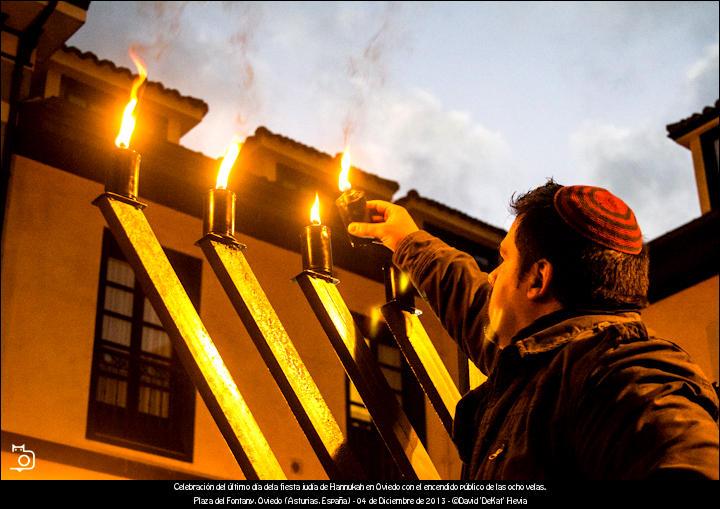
column 450, row 280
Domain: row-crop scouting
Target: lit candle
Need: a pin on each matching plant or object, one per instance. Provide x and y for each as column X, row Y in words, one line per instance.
column 122, row 177
column 219, row 217
column 315, row 243
column 352, row 202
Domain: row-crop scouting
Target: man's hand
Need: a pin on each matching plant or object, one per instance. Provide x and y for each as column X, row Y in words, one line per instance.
column 390, row 223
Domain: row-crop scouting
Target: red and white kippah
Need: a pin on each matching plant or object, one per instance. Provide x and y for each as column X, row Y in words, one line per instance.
column 600, row 216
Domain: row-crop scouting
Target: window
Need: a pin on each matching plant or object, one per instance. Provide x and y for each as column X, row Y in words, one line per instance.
column 140, row 395
column 362, row 435
column 86, row 96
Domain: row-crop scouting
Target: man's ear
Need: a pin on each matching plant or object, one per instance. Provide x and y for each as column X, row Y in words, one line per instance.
column 540, row 276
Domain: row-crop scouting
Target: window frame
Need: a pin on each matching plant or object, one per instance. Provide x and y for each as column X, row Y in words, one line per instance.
column 128, row 426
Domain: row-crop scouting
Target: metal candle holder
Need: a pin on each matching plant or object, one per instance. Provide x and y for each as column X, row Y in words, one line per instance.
column 122, row 177
column 399, row 289
column 219, row 213
column 316, row 249
column 401, row 315
column 228, row 261
column 352, row 206
column 424, row 360
column 405, row 447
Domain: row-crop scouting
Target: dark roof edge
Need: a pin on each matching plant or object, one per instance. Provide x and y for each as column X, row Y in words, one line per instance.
column 681, row 128
column 684, row 257
column 88, row 55
column 414, row 195
column 263, row 131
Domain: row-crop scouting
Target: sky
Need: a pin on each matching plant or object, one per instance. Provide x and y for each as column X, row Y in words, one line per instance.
column 467, row 103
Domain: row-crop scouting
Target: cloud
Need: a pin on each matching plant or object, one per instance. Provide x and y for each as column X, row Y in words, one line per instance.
column 702, row 78
column 642, row 166
column 446, row 155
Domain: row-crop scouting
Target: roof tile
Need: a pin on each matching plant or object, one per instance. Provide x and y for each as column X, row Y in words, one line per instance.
column 87, row 55
column 265, row 132
column 694, row 121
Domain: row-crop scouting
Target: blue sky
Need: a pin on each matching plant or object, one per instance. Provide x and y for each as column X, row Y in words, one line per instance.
column 465, row 102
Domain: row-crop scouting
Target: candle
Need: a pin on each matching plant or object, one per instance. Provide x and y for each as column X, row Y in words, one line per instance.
column 352, row 203
column 398, row 287
column 219, row 217
column 315, row 244
column 123, row 174
column 219, row 203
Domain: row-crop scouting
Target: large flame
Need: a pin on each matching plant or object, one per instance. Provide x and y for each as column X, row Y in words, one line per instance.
column 344, row 181
column 315, row 211
column 128, row 121
column 228, row 161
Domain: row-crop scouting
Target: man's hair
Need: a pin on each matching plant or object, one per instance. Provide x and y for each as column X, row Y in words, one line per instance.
column 585, row 274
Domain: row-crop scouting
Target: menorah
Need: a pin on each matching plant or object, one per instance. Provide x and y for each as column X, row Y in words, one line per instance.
column 125, row 216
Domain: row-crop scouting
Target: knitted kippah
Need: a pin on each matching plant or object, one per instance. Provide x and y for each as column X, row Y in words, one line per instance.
column 598, row 215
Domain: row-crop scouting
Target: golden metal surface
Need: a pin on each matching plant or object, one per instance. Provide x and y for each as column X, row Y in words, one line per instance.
column 190, row 339
column 475, row 376
column 424, row 360
column 391, row 422
column 277, row 350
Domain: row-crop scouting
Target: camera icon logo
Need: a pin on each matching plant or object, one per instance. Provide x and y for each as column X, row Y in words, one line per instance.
column 26, row 460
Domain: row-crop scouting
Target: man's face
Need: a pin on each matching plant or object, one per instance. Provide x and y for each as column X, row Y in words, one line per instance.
column 508, row 301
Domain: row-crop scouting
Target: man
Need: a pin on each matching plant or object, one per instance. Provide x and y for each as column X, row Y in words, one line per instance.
column 576, row 387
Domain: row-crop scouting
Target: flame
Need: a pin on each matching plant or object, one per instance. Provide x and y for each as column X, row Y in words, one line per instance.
column 343, row 181
column 315, row 211
column 128, row 120
column 228, row 161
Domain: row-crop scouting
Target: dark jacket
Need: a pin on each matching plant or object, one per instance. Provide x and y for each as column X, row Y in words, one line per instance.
column 577, row 394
